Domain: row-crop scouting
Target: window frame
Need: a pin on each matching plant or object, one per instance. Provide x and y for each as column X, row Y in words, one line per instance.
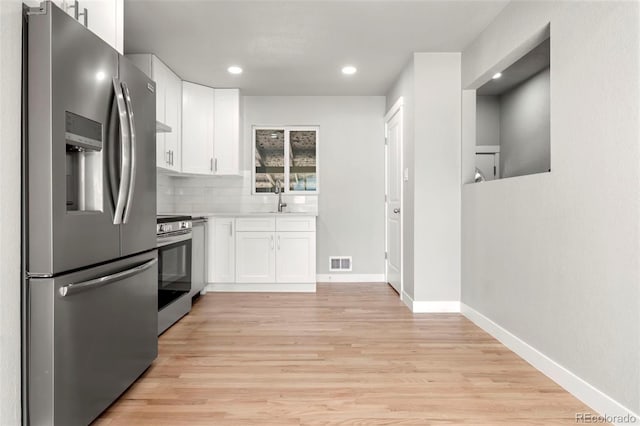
column 287, row 165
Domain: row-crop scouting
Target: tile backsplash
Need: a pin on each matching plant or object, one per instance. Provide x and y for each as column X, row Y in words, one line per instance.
column 165, row 188
column 222, row 194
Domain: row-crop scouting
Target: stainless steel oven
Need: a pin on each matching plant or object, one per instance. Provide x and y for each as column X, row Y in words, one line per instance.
column 174, row 269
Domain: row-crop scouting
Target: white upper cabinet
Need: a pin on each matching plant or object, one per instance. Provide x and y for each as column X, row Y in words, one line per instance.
column 104, row 17
column 226, row 141
column 168, row 109
column 173, row 119
column 197, row 130
column 211, row 130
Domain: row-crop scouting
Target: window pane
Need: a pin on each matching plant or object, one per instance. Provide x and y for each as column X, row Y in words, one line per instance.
column 302, row 160
column 269, row 161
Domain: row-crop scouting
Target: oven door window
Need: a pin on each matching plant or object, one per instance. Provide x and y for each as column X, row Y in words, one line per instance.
column 174, row 269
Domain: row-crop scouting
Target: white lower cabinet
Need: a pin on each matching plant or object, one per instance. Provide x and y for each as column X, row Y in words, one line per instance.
column 295, row 257
column 262, row 253
column 255, row 257
column 222, row 250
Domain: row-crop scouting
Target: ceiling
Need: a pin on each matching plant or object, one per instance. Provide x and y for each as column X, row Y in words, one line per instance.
column 532, row 63
column 298, row 47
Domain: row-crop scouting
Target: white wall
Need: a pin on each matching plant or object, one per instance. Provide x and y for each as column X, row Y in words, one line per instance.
column 563, row 275
column 10, row 54
column 430, row 85
column 437, row 176
column 525, row 127
column 488, row 120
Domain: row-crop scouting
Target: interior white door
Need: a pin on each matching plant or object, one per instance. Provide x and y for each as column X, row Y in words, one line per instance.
column 255, row 257
column 486, row 163
column 394, row 201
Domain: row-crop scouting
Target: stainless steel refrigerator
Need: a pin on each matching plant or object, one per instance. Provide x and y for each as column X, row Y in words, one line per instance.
column 89, row 206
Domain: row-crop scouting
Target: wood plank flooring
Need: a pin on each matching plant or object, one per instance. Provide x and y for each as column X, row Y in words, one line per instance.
column 351, row 354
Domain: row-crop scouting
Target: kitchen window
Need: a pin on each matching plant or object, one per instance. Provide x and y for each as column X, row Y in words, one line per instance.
column 285, row 157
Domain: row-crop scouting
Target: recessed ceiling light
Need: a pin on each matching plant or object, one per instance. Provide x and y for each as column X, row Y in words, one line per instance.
column 349, row 70
column 234, row 69
column 497, row 75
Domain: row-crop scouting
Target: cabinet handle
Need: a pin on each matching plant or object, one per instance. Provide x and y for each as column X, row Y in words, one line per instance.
column 215, row 163
column 85, row 14
column 211, row 164
column 272, row 242
column 166, row 157
column 278, row 242
column 76, row 9
column 76, row 12
column 231, row 229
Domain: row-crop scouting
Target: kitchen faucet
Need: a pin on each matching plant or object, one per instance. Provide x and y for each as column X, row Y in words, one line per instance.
column 279, row 192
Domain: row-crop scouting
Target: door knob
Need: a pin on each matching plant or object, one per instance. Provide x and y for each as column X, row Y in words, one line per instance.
column 396, row 210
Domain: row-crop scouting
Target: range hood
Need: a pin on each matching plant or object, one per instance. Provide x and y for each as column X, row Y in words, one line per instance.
column 162, row 128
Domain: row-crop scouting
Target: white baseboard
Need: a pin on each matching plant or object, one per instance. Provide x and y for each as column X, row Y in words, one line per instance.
column 427, row 307
column 585, row 392
column 262, row 287
column 351, row 278
column 408, row 300
column 441, row 306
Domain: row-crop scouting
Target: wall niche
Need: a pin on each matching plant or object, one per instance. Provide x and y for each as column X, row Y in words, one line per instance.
column 513, row 135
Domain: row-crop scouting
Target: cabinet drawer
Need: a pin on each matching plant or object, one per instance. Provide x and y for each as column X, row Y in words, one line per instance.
column 296, row 223
column 256, row 224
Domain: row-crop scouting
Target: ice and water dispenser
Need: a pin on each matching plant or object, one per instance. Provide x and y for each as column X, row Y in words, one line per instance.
column 84, row 151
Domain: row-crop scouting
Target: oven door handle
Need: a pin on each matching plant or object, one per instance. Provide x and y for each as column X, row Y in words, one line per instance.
column 165, row 241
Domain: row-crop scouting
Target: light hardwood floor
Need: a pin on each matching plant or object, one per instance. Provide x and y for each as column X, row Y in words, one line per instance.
column 351, row 354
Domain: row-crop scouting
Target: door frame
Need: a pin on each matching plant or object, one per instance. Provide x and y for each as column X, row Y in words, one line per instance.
column 397, row 108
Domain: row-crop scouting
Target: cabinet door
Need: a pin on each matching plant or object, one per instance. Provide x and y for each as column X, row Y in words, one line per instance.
column 173, row 118
column 222, row 250
column 104, row 17
column 158, row 74
column 226, row 131
column 197, row 129
column 255, row 257
column 295, row 257
column 198, row 257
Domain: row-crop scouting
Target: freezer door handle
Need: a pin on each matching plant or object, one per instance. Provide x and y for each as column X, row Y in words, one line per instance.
column 132, row 152
column 71, row 289
column 125, row 166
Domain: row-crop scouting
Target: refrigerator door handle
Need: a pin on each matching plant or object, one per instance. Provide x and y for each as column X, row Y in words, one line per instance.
column 125, row 156
column 132, row 151
column 71, row 289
